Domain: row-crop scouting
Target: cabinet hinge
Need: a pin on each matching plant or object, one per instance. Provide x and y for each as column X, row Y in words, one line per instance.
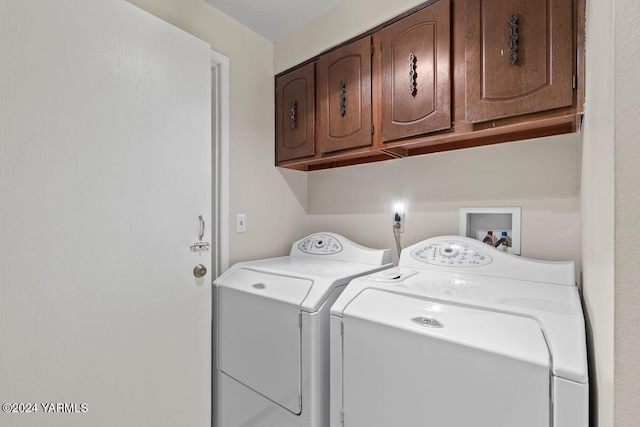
column 342, row 417
column 551, row 389
column 341, row 329
column 300, row 320
column 372, row 129
column 372, row 50
column 300, row 401
column 574, row 82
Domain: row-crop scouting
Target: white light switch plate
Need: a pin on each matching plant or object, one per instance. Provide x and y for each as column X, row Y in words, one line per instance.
column 241, row 223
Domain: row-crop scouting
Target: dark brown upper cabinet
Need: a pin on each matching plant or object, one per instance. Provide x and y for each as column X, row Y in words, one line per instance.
column 343, row 97
column 520, row 57
column 445, row 75
column 295, row 114
column 416, row 77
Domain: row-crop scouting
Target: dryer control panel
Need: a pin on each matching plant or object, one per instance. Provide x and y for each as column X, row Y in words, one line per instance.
column 451, row 253
column 320, row 244
column 324, row 246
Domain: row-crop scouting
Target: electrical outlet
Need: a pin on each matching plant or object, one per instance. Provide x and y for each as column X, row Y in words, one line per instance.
column 398, row 218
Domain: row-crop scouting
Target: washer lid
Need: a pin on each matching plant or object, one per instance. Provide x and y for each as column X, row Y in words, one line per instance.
column 508, row 335
column 263, row 284
column 557, row 309
column 325, row 274
column 440, row 364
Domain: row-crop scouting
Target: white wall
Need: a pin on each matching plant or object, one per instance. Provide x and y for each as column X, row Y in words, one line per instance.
column 597, row 207
column 542, row 176
column 349, row 19
column 610, row 203
column 274, row 200
column 627, row 216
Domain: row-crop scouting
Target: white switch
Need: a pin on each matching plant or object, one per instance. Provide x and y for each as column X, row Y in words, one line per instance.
column 241, row 223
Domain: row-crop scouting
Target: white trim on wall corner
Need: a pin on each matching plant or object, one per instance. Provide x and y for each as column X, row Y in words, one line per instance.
column 220, row 141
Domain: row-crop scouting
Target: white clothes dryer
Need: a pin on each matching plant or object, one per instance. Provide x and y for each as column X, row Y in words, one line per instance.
column 460, row 334
column 271, row 332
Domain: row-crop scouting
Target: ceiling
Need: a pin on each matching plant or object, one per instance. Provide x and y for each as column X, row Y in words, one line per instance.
column 274, row 19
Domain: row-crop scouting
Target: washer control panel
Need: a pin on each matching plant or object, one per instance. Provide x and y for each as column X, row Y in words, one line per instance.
column 451, row 253
column 320, row 244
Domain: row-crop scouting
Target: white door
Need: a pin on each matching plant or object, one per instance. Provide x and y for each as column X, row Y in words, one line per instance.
column 105, row 166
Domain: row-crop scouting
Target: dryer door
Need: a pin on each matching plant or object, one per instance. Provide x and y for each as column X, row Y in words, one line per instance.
column 414, row 362
column 259, row 333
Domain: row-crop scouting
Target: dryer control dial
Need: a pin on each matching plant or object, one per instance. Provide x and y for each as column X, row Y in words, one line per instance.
column 320, row 244
column 451, row 253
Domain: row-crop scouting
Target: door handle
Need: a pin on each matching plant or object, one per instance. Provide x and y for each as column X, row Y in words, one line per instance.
column 201, row 227
column 200, row 246
column 200, row 271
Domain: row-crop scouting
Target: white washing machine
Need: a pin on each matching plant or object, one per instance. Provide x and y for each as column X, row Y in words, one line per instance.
column 459, row 335
column 271, row 332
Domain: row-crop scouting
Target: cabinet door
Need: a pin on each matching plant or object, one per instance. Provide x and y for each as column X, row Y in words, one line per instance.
column 295, row 114
column 344, row 97
column 519, row 57
column 416, row 78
